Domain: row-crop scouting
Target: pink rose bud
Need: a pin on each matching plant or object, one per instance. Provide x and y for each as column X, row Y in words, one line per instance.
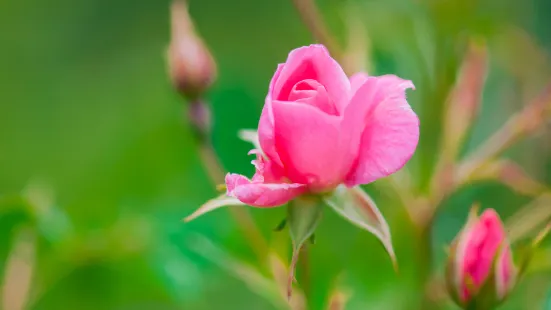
column 481, row 269
column 191, row 66
column 320, row 128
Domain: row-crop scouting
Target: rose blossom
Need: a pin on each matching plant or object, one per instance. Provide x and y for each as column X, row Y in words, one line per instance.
column 319, row 129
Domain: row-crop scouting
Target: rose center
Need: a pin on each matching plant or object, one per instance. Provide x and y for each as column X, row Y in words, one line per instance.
column 311, row 92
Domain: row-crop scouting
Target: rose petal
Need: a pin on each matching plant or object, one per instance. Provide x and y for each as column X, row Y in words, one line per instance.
column 266, row 135
column 481, row 242
column 462, row 242
column 391, row 128
column 313, row 63
column 307, row 141
column 261, row 194
column 313, row 93
column 487, row 236
column 266, row 171
column 357, row 80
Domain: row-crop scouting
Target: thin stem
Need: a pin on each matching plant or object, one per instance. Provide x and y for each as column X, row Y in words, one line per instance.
column 519, row 126
column 451, row 176
column 216, row 175
column 305, row 271
column 312, row 18
column 425, row 263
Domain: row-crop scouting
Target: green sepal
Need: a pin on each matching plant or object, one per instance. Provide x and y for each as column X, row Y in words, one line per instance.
column 281, row 225
column 303, row 216
column 451, row 274
column 312, row 239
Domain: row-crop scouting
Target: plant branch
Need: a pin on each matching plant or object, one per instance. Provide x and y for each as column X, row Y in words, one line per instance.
column 305, row 271
column 216, row 173
column 518, row 127
column 312, row 18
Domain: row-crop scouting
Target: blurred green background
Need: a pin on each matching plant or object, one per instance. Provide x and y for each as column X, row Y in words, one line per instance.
column 98, row 164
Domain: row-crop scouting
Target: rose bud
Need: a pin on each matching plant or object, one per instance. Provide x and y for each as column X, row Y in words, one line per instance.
column 192, row 68
column 481, row 272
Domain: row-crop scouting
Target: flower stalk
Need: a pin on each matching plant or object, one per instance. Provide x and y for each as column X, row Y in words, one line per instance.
column 192, row 70
column 312, row 18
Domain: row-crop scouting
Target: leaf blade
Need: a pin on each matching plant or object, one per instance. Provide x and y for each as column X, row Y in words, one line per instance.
column 357, row 207
column 213, row 204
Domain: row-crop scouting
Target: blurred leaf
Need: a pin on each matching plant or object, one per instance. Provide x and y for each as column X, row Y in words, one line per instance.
column 20, row 268
column 357, row 55
column 53, row 223
column 536, row 214
column 255, row 281
column 339, row 296
column 510, row 174
column 534, row 257
column 177, row 272
column 358, row 208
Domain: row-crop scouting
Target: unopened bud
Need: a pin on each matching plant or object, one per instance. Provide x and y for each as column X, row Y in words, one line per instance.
column 191, row 66
column 481, row 271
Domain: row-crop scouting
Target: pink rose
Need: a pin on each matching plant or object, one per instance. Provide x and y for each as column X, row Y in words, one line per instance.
column 482, row 251
column 319, row 129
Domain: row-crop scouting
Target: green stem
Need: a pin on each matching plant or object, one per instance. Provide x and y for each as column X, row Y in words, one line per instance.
column 199, row 115
column 305, row 278
column 312, row 18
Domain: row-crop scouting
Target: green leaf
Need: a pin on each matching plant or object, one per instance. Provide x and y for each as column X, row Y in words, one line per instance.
column 253, row 278
column 530, row 251
column 357, row 207
column 303, row 216
column 213, row 204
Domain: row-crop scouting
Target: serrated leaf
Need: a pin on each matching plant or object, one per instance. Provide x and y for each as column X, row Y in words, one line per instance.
column 213, row 204
column 357, row 207
column 303, row 215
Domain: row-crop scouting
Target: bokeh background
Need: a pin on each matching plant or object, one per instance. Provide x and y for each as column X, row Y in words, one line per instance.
column 98, row 164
